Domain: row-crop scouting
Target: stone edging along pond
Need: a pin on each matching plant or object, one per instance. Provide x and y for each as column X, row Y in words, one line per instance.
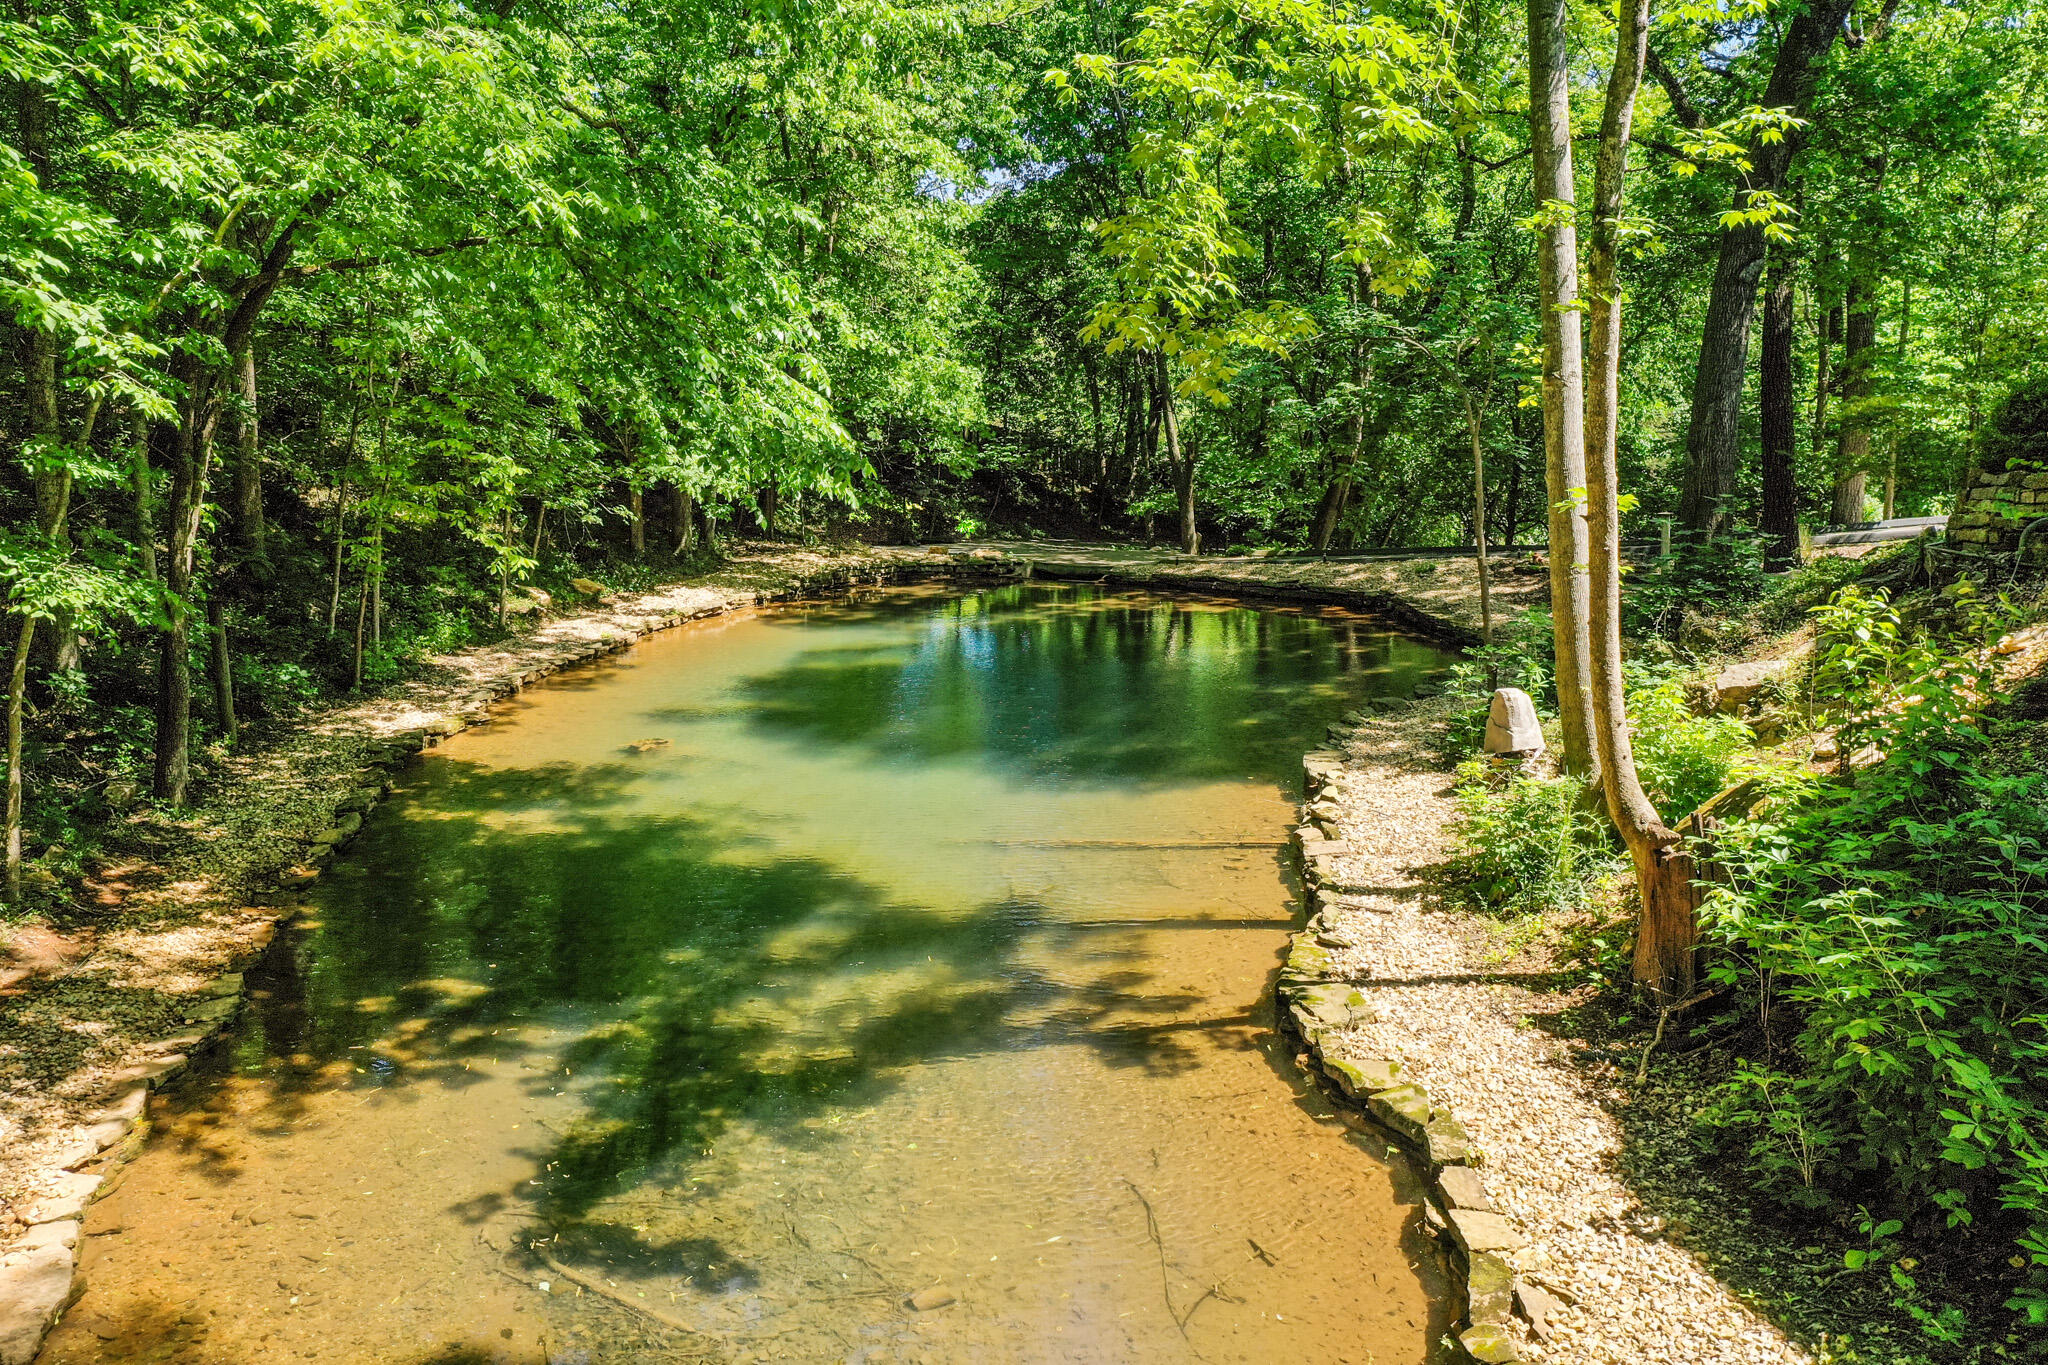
column 38, row 1269
column 1313, row 1006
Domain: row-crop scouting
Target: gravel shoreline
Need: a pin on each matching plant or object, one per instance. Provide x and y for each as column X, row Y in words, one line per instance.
column 1627, row 1289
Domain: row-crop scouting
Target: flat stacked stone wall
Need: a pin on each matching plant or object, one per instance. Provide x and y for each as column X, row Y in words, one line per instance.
column 1998, row 507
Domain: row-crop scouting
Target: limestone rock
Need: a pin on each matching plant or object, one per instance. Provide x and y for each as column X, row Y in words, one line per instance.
column 587, row 586
column 1363, row 1079
column 1447, row 1141
column 35, row 1289
column 66, row 1201
column 1536, row 1305
column 1489, row 1290
column 1511, row 724
column 1489, row 1345
column 1331, row 1006
column 1464, row 1189
column 62, row 1233
column 1740, row 684
column 1478, row 1231
column 932, row 1298
column 1405, row 1109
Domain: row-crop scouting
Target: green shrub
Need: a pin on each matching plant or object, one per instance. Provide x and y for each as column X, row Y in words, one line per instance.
column 1899, row 932
column 1682, row 758
column 1530, row 843
column 1892, row 936
column 1719, row 575
column 2016, row 436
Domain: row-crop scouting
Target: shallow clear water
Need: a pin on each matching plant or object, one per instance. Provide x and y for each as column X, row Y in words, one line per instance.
column 926, row 948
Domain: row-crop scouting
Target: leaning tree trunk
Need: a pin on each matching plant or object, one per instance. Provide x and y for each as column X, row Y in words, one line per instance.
column 1713, row 447
column 1666, row 935
column 1852, row 451
column 1778, row 409
column 1564, row 437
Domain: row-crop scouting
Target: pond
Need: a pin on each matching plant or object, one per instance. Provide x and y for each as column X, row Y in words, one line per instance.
column 877, row 980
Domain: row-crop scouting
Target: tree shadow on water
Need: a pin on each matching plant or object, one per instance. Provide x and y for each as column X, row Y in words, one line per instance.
column 708, row 982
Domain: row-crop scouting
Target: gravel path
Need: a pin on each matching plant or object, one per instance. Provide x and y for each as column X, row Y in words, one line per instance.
column 1487, row 1046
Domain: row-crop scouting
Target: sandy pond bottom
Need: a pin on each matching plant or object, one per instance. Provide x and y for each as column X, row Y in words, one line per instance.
column 925, row 947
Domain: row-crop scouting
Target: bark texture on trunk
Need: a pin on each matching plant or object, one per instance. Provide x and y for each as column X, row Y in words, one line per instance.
column 1713, row 447
column 1852, row 450
column 1780, row 423
column 1666, row 935
column 191, row 456
column 1564, row 435
column 17, row 692
column 250, row 534
column 223, row 670
column 682, row 521
column 1180, row 459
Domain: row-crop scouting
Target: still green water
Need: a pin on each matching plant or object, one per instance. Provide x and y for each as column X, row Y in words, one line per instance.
column 790, row 965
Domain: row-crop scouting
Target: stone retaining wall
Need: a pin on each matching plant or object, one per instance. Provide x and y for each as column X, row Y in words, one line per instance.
column 1998, row 507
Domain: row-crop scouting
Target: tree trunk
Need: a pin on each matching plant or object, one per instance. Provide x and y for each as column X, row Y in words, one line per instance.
column 223, row 670
column 1564, row 439
column 348, row 457
column 248, row 471
column 1713, row 432
column 51, row 479
column 1474, row 421
column 1780, row 423
column 1180, row 460
column 1666, row 935
column 144, row 526
column 636, row 507
column 682, row 522
column 1852, row 452
column 190, row 458
column 17, row 692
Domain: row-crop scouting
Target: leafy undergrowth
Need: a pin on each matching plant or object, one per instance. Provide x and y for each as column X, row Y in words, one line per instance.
column 1853, row 1127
